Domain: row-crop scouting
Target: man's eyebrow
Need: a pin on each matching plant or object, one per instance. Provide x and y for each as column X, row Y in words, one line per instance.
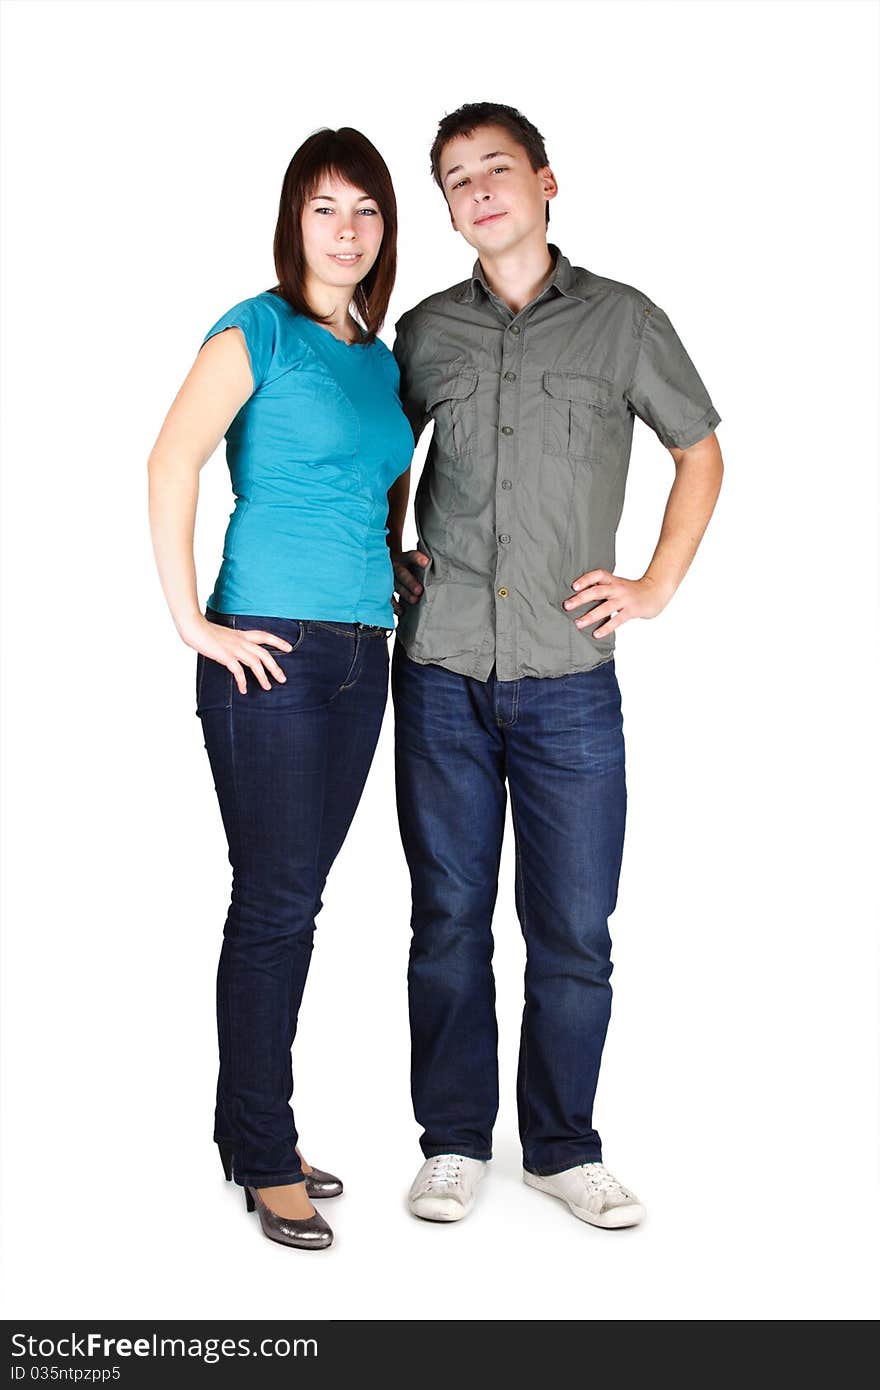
column 328, row 198
column 494, row 155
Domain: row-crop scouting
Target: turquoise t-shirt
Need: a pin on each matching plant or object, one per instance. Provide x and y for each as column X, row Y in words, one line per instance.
column 312, row 454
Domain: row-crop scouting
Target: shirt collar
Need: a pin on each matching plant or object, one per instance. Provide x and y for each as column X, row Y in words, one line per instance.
column 563, row 279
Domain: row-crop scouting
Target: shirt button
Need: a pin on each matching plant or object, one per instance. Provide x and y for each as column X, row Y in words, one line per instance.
column 502, row 593
column 504, row 540
column 507, row 484
column 506, row 429
column 514, row 328
column 510, row 376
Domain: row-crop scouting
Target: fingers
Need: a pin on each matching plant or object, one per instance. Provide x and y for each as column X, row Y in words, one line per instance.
column 254, row 665
column 592, row 577
column 618, row 619
column 608, row 593
column 596, row 615
column 247, row 652
column 605, row 613
column 408, row 586
column 595, row 591
column 257, row 658
column 269, row 638
column 240, row 678
column 407, row 581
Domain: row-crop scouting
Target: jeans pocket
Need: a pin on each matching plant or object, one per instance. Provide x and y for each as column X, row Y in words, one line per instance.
column 290, row 630
column 215, row 683
column 313, row 645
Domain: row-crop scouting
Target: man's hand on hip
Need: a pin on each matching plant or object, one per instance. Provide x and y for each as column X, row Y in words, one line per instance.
column 621, row 599
column 409, row 588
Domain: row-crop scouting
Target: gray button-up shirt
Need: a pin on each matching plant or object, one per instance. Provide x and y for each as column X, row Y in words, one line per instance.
column 524, row 481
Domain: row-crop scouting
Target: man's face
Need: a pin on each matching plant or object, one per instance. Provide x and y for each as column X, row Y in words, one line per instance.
column 496, row 199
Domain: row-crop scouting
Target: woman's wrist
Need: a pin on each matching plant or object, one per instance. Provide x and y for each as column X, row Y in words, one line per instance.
column 189, row 626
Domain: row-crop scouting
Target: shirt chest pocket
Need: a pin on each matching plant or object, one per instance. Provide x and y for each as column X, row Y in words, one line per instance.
column 453, row 407
column 577, row 414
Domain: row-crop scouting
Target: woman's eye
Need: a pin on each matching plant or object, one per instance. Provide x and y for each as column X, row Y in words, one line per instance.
column 371, row 212
column 501, row 169
column 323, row 209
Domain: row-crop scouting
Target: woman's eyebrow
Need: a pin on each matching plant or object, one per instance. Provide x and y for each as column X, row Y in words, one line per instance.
column 328, row 198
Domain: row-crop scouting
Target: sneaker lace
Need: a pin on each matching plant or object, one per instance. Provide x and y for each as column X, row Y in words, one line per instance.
column 445, row 1171
column 599, row 1180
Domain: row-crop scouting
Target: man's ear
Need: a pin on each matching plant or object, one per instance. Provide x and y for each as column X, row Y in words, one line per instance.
column 549, row 186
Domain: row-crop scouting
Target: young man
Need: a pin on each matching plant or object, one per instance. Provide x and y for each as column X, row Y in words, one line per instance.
column 533, row 371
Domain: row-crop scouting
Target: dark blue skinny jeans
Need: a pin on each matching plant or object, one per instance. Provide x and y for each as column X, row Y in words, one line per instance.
column 557, row 746
column 289, row 766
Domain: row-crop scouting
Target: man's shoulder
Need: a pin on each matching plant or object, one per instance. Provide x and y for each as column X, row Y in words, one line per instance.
column 433, row 304
column 587, row 284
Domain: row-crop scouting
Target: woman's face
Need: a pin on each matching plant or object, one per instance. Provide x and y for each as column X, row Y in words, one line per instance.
column 342, row 231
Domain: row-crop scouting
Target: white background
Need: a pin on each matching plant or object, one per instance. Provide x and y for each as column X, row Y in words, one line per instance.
column 721, row 157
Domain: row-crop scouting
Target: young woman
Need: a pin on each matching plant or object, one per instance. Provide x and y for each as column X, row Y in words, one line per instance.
column 291, row 674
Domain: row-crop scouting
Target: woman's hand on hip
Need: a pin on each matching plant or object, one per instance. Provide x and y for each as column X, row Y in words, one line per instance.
column 236, row 648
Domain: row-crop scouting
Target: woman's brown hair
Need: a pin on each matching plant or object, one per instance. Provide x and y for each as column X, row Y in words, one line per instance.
column 348, row 155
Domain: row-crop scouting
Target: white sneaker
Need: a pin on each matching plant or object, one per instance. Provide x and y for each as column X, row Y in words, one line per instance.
column 593, row 1194
column 444, row 1187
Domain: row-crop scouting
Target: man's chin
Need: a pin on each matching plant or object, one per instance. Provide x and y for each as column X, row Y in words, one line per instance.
column 493, row 242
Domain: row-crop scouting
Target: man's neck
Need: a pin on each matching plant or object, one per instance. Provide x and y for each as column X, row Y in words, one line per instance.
column 518, row 275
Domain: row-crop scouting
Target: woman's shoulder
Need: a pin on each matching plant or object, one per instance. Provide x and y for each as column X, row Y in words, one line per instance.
column 267, row 308
column 269, row 326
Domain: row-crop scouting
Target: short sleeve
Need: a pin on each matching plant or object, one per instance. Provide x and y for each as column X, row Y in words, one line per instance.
column 259, row 324
column 411, row 399
column 666, row 390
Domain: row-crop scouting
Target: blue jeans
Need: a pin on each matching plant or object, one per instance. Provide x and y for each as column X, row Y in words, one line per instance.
column 289, row 766
column 557, row 746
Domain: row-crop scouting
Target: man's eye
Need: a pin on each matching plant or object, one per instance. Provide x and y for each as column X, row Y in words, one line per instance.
column 459, row 184
column 500, row 168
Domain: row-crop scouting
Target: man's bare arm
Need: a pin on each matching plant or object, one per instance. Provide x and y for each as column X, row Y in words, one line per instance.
column 692, row 498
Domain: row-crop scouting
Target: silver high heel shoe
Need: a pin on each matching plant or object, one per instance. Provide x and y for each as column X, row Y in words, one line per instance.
column 318, row 1183
column 321, row 1184
column 309, row 1233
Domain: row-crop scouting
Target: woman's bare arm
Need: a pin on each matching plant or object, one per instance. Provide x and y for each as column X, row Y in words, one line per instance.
column 217, row 386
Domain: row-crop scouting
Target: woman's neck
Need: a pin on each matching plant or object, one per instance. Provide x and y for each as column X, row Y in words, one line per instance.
column 333, row 306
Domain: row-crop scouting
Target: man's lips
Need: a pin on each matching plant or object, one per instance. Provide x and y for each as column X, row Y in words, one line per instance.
column 492, row 217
